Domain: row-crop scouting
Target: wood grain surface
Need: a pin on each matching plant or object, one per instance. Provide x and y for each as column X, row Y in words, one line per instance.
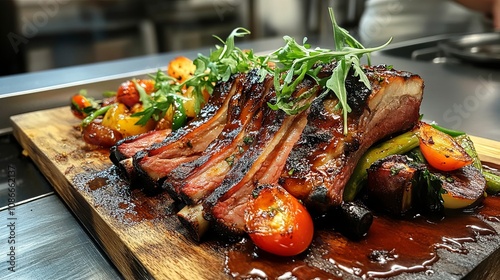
column 152, row 247
column 144, row 249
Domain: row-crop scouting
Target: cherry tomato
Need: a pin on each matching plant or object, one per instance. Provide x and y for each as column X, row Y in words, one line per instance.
column 79, row 106
column 277, row 222
column 440, row 149
column 128, row 94
column 181, row 68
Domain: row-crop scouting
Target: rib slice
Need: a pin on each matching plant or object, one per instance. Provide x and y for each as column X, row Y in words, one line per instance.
column 128, row 147
column 323, row 160
column 122, row 152
column 186, row 144
column 194, row 180
column 261, row 164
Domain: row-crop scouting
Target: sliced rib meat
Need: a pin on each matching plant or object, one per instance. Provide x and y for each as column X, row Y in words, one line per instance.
column 261, row 164
column 122, row 152
column 186, row 144
column 128, row 147
column 322, row 161
column 211, row 163
column 318, row 161
column 194, row 180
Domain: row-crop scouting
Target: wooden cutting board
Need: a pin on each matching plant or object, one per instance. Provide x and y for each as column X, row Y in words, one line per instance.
column 136, row 231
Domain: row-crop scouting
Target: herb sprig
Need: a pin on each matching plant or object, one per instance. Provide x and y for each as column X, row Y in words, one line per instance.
column 291, row 64
column 294, row 62
column 222, row 62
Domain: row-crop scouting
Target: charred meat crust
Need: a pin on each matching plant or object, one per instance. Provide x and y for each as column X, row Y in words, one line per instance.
column 323, row 159
column 261, row 164
column 390, row 184
column 128, row 147
column 191, row 181
column 183, row 145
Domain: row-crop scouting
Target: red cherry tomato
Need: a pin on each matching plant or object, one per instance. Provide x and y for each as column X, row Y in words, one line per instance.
column 278, row 223
column 440, row 149
column 128, row 94
column 79, row 105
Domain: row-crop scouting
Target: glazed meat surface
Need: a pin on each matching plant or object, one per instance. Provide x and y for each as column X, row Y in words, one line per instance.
column 261, row 164
column 321, row 158
column 239, row 143
column 152, row 165
column 192, row 181
column 324, row 158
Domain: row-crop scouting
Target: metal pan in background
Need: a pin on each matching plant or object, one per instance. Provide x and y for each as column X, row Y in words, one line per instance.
column 480, row 48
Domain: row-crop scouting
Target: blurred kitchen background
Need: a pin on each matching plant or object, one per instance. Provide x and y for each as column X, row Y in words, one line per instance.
column 46, row 34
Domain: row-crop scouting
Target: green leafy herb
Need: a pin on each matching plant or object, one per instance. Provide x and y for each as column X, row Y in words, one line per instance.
column 291, row 64
column 295, row 61
column 428, row 194
column 143, row 96
column 223, row 62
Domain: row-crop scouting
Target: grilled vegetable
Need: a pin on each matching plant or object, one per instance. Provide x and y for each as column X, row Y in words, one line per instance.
column 179, row 118
column 128, row 94
column 440, row 149
column 492, row 182
column 94, row 115
column 438, row 190
column 462, row 187
column 277, row 222
column 451, row 132
column 181, row 68
column 119, row 118
column 82, row 106
column 97, row 134
column 466, row 143
column 492, row 179
column 190, row 102
column 400, row 144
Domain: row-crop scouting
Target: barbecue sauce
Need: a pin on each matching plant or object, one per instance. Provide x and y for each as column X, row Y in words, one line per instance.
column 110, row 192
column 392, row 247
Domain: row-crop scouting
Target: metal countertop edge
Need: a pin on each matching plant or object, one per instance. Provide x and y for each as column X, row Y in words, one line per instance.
column 19, row 203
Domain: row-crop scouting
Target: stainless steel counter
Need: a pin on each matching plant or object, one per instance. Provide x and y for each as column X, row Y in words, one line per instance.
column 52, row 244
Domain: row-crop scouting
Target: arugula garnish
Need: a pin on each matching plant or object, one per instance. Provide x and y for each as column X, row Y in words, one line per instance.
column 223, row 62
column 290, row 65
column 295, row 61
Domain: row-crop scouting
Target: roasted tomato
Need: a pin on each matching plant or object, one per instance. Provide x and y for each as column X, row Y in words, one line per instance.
column 80, row 106
column 277, row 222
column 97, row 134
column 181, row 68
column 127, row 92
column 440, row 149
